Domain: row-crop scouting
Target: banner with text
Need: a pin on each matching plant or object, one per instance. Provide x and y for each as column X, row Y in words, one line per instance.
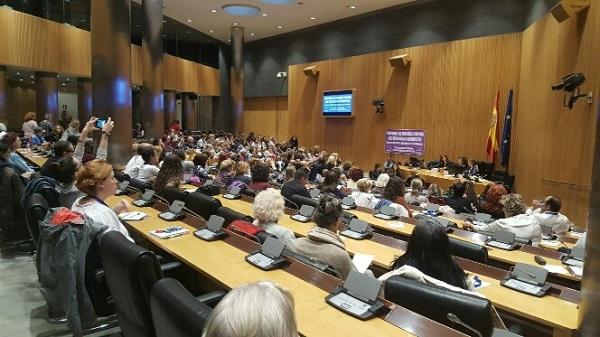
column 405, row 141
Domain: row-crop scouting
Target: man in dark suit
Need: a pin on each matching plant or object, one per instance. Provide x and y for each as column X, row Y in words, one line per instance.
column 296, row 186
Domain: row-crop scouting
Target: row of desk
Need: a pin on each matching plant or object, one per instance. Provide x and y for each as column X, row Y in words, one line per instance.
column 559, row 311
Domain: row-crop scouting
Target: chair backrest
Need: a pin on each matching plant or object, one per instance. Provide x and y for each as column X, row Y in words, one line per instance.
column 435, row 303
column 300, row 200
column 35, row 212
column 203, row 205
column 175, row 311
column 131, row 272
column 139, row 185
column 231, row 215
column 173, row 193
column 248, row 192
column 120, row 176
column 469, row 250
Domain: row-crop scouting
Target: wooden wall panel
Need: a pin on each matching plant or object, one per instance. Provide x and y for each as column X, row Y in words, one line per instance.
column 20, row 100
column 30, row 42
column 553, row 147
column 266, row 116
column 448, row 90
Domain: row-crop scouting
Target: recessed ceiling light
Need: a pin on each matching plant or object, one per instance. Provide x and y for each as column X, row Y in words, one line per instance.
column 21, row 79
column 57, row 76
column 189, row 20
column 82, row 20
column 235, row 23
column 18, row 73
column 264, row 14
column 279, row 27
column 64, row 84
column 164, row 21
column 252, row 34
column 164, row 35
column 213, row 11
column 352, row 6
column 211, row 31
column 187, row 31
column 312, row 18
column 30, row 76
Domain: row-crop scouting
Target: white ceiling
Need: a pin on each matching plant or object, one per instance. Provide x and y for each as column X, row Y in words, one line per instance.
column 291, row 17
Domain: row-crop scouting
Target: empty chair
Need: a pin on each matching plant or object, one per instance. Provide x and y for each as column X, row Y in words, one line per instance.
column 436, row 303
column 300, row 200
column 231, row 215
column 468, row 250
column 173, row 193
column 139, row 185
column 203, row 205
column 175, row 311
column 36, row 210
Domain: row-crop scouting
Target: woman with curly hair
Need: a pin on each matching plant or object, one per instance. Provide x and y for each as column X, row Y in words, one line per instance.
column 170, row 174
column 268, row 208
column 491, row 204
column 393, row 196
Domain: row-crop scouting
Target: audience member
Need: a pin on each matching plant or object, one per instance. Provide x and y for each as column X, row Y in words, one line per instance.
column 330, row 184
column 170, row 174
column 375, row 172
column 393, row 196
column 414, row 197
column 547, row 213
column 457, row 201
column 47, row 125
column 13, row 142
column 260, row 177
column 268, row 208
column 242, row 172
column 363, row 197
column 29, row 125
column 491, row 203
column 380, row 184
column 149, row 169
column 296, row 186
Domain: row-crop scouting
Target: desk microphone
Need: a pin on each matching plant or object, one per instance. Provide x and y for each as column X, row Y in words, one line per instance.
column 454, row 319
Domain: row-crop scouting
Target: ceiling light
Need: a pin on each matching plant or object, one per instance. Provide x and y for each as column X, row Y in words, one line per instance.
column 252, row 34
column 187, row 31
column 241, row 10
column 21, row 79
column 235, row 23
column 264, row 14
column 30, row 76
column 57, row 76
column 64, row 84
column 312, row 18
column 279, row 27
column 18, row 73
column 213, row 11
column 352, row 6
column 211, row 31
column 189, row 20
column 164, row 21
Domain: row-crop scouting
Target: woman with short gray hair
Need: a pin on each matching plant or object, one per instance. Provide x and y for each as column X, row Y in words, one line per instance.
column 268, row 208
column 237, row 315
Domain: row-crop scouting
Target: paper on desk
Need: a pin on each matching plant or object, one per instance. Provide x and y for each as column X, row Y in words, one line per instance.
column 578, row 271
column 556, row 269
column 397, row 225
column 132, row 216
column 362, row 261
column 191, row 190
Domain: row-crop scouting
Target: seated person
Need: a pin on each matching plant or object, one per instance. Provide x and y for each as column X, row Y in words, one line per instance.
column 236, row 314
column 225, row 176
column 457, row 201
column 97, row 181
column 355, row 174
column 322, row 242
column 473, row 168
column 428, row 251
column 380, row 184
column 200, row 169
column 522, row 225
column 132, row 169
column 414, row 197
column 393, row 196
column 444, row 162
column 260, row 177
column 268, row 208
column 242, row 172
column 390, row 163
column 296, row 185
column 363, row 197
column 149, row 169
column 56, row 134
column 547, row 213
column 491, row 202
column 170, row 174
column 38, row 137
column 61, row 150
column 13, row 142
column 374, row 174
column 330, row 184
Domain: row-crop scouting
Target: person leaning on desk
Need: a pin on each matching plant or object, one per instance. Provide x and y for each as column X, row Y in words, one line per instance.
column 522, row 225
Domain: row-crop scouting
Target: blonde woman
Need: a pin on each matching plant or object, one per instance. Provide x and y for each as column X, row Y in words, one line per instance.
column 236, row 314
column 363, row 197
column 72, row 130
column 268, row 208
column 29, row 125
column 414, row 197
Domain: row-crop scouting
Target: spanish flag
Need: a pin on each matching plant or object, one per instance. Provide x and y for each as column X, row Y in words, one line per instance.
column 491, row 146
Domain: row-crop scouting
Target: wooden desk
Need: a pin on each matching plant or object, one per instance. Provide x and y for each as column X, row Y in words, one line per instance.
column 32, row 157
column 551, row 311
column 444, row 181
column 224, row 263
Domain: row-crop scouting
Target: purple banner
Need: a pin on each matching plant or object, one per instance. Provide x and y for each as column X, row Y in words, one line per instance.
column 405, row 141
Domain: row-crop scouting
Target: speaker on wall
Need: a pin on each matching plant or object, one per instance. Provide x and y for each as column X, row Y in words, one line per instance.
column 311, row 71
column 567, row 8
column 400, row 60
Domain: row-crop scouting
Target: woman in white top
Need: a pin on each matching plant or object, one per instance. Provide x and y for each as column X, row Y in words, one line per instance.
column 268, row 208
column 150, row 169
column 363, row 197
column 97, row 181
column 29, row 125
column 414, row 197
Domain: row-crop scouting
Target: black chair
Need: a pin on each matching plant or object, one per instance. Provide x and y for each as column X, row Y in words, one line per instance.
column 120, row 176
column 468, row 250
column 300, row 200
column 436, row 303
column 13, row 227
column 175, row 311
column 173, row 193
column 36, row 210
column 203, row 205
column 139, row 185
column 231, row 215
column 248, row 192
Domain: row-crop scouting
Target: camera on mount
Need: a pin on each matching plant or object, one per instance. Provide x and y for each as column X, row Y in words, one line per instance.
column 379, row 104
column 571, row 84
